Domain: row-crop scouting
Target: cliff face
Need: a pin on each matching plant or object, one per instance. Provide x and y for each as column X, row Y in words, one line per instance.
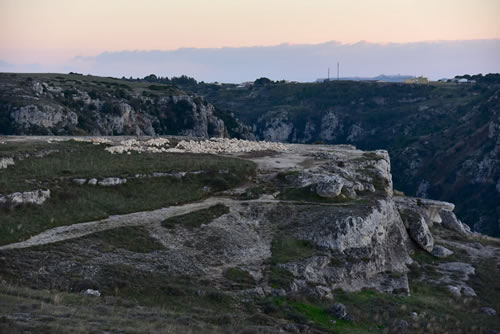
column 443, row 138
column 325, row 218
column 76, row 104
column 254, row 236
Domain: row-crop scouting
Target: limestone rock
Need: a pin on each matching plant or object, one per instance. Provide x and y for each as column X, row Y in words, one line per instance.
column 467, row 291
column 459, row 268
column 454, row 290
column 488, row 311
column 5, row 162
column 339, row 311
column 79, row 181
column 44, row 116
column 111, row 181
column 28, row 197
column 417, row 228
column 92, row 292
column 277, row 126
column 323, row 292
column 93, row 182
column 440, row 251
column 430, row 209
column 451, row 222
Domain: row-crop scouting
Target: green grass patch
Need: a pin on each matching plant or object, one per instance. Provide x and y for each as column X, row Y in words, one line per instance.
column 253, row 193
column 132, row 238
column 373, row 310
column 178, row 293
column 84, row 160
column 70, row 203
column 312, row 313
column 285, row 249
column 280, row 277
column 196, row 218
column 238, row 275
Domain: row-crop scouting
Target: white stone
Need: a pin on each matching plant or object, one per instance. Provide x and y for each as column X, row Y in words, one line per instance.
column 93, row 292
column 5, row 162
column 79, row 181
column 28, row 197
column 111, row 181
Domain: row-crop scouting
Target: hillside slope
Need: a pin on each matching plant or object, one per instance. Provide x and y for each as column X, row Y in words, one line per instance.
column 230, row 236
column 444, row 139
column 61, row 104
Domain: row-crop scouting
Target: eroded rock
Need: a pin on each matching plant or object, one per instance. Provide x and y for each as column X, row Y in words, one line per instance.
column 37, row 197
column 111, row 181
column 5, row 162
column 450, row 221
column 440, row 251
column 417, row 228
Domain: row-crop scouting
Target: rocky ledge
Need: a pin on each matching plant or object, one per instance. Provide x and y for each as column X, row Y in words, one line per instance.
column 325, row 218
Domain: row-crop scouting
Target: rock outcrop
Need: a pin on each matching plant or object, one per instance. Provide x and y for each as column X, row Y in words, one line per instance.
column 28, row 197
column 444, row 142
column 5, row 162
column 306, row 221
column 54, row 105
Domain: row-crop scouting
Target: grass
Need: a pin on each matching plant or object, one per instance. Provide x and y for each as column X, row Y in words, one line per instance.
column 307, row 194
column 253, row 193
column 238, row 275
column 60, row 312
column 279, row 278
column 310, row 312
column 285, row 249
column 438, row 311
column 70, row 203
column 132, row 238
column 196, row 218
column 84, row 160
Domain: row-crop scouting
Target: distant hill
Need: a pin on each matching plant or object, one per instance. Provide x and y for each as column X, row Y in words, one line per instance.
column 381, row 77
column 75, row 104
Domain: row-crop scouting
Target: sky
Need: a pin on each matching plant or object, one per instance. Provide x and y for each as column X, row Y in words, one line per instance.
column 42, row 35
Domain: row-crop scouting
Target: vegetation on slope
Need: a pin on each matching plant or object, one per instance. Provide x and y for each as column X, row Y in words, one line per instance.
column 71, row 203
column 441, row 136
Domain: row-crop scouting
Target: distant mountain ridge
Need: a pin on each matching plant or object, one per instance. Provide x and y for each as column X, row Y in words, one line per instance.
column 380, row 77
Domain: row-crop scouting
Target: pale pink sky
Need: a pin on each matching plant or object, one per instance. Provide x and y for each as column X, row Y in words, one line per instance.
column 50, row 31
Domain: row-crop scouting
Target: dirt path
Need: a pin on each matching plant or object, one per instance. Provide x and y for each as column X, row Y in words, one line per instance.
column 61, row 233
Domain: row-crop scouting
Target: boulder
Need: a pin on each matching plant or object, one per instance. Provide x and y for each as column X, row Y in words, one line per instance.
column 329, row 186
column 339, row 311
column 488, row 311
column 79, row 181
column 5, row 162
column 28, row 197
column 467, row 291
column 417, row 228
column 93, row 182
column 450, row 221
column 111, row 181
column 457, row 268
column 430, row 209
column 92, row 292
column 454, row 290
column 440, row 251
